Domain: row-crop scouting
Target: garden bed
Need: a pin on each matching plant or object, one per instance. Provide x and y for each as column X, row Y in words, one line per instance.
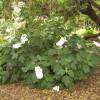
column 83, row 90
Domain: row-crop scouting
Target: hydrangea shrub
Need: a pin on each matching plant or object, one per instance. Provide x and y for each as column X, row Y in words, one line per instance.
column 43, row 54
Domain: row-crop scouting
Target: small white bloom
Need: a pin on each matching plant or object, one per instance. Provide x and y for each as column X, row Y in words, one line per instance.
column 16, row 46
column 61, row 42
column 17, row 19
column 9, row 29
column 56, row 88
column 57, row 61
column 96, row 43
column 39, row 72
column 24, row 38
column 16, row 10
column 79, row 46
column 10, row 37
column 21, row 4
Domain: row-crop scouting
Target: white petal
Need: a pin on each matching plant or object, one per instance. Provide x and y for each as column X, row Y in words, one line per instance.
column 16, row 46
column 96, row 43
column 61, row 42
column 56, row 88
column 24, row 38
column 21, row 4
column 39, row 72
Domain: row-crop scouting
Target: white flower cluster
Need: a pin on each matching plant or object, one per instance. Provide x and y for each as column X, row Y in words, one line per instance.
column 17, row 8
column 10, row 37
column 39, row 72
column 16, row 24
column 24, row 38
column 61, row 42
column 22, row 41
column 16, row 15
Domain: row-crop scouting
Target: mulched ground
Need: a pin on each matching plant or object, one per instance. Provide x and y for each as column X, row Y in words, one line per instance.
column 84, row 90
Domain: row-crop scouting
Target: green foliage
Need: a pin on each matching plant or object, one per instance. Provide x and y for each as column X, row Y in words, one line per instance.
column 89, row 31
column 85, row 32
column 61, row 65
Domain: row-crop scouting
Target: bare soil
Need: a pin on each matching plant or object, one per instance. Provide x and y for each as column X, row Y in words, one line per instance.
column 88, row 89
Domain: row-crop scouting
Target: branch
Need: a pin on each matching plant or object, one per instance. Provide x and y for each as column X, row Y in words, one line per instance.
column 93, row 37
column 95, row 5
column 91, row 13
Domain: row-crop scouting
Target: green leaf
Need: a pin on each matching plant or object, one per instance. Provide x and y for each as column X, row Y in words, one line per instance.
column 73, row 66
column 66, row 70
column 21, row 59
column 28, row 66
column 68, row 59
column 44, row 63
column 14, row 56
column 52, row 52
column 86, row 69
column 67, row 81
column 39, row 57
column 30, row 79
column 71, row 73
column 78, row 57
column 63, row 62
column 58, row 70
column 90, row 63
column 5, row 76
column 61, row 1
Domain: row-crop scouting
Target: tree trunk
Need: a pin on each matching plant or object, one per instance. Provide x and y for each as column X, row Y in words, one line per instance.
column 92, row 14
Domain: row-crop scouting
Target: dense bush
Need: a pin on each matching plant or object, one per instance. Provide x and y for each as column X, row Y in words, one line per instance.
column 36, row 56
